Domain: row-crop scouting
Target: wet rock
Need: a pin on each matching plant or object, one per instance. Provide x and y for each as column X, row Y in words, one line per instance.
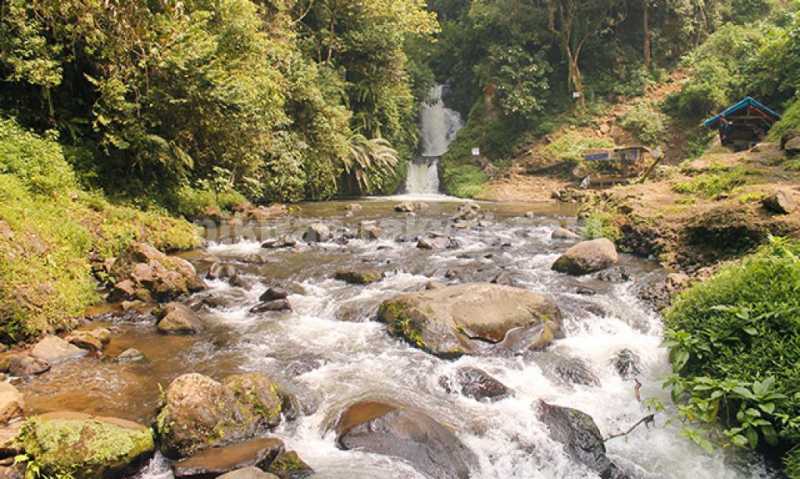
column 406, row 207
column 131, row 355
column 476, row 384
column 504, row 278
column 587, row 257
column 468, row 211
column 279, row 243
column 55, row 350
column 438, row 242
column 259, row 453
column 469, row 318
column 581, row 438
column 575, row 371
column 92, row 339
column 564, row 234
column 9, row 447
column 360, row 276
column 289, row 466
column 12, row 472
column 200, row 413
column 301, row 366
column 83, row 446
column 432, row 285
column 24, row 365
column 221, row 271
column 627, row 364
column 248, row 473
column 584, row 291
column 178, row 319
column 397, row 431
column 614, row 275
column 11, row 403
column 275, row 306
column 150, row 274
column 781, row 203
column 317, row 233
column 660, row 292
column 274, row 293
column 369, row 230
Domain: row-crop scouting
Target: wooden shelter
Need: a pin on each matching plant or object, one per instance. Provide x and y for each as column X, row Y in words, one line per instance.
column 744, row 124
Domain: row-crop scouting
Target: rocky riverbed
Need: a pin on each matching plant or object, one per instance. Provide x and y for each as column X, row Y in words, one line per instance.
column 376, row 339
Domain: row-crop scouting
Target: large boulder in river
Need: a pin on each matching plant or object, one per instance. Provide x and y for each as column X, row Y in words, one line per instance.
column 145, row 273
column 82, row 446
column 587, row 257
column 472, row 319
column 248, row 473
column 200, row 413
column 581, row 438
column 413, row 436
column 359, row 276
column 178, row 319
column 213, row 462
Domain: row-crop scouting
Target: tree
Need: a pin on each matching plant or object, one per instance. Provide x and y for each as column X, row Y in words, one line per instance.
column 574, row 23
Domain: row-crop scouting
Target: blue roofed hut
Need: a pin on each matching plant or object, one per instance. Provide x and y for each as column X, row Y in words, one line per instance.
column 744, row 124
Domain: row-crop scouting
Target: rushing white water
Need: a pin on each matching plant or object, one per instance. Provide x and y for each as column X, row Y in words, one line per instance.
column 438, row 128
column 357, row 359
column 423, row 177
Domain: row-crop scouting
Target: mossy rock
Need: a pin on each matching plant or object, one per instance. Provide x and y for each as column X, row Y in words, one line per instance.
column 473, row 318
column 78, row 445
column 289, row 466
column 200, row 413
column 359, row 277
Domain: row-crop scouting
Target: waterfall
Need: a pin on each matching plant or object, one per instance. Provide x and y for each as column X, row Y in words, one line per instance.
column 438, row 128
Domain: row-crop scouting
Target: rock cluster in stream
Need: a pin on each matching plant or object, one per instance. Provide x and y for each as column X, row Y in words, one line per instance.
column 221, row 428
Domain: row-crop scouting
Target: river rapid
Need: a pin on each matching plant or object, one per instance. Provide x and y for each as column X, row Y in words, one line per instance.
column 333, row 352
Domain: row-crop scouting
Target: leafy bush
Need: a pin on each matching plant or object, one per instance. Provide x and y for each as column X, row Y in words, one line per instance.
column 719, row 70
column 645, row 121
column 600, row 224
column 714, row 184
column 36, row 161
column 464, row 181
column 734, row 344
column 792, row 463
column 790, row 121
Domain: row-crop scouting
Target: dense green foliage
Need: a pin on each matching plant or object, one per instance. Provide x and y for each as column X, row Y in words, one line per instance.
column 162, row 96
column 523, row 68
column 735, row 344
column 48, row 230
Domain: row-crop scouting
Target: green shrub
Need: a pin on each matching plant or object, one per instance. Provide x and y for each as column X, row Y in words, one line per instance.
column 36, row 161
column 715, row 183
column 792, row 463
column 790, row 121
column 734, row 343
column 646, row 122
column 600, row 224
column 193, row 203
column 464, row 181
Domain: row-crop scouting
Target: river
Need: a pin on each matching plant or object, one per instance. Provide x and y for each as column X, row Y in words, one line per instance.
column 334, row 353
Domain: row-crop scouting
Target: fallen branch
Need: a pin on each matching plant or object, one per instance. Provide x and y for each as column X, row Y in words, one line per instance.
column 647, row 421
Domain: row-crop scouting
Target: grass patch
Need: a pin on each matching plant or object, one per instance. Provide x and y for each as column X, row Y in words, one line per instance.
column 734, row 345
column 571, row 147
column 49, row 228
column 600, row 224
column 714, row 183
column 464, row 181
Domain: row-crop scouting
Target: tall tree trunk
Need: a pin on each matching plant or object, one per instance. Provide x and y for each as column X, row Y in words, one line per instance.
column 575, row 77
column 647, row 47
